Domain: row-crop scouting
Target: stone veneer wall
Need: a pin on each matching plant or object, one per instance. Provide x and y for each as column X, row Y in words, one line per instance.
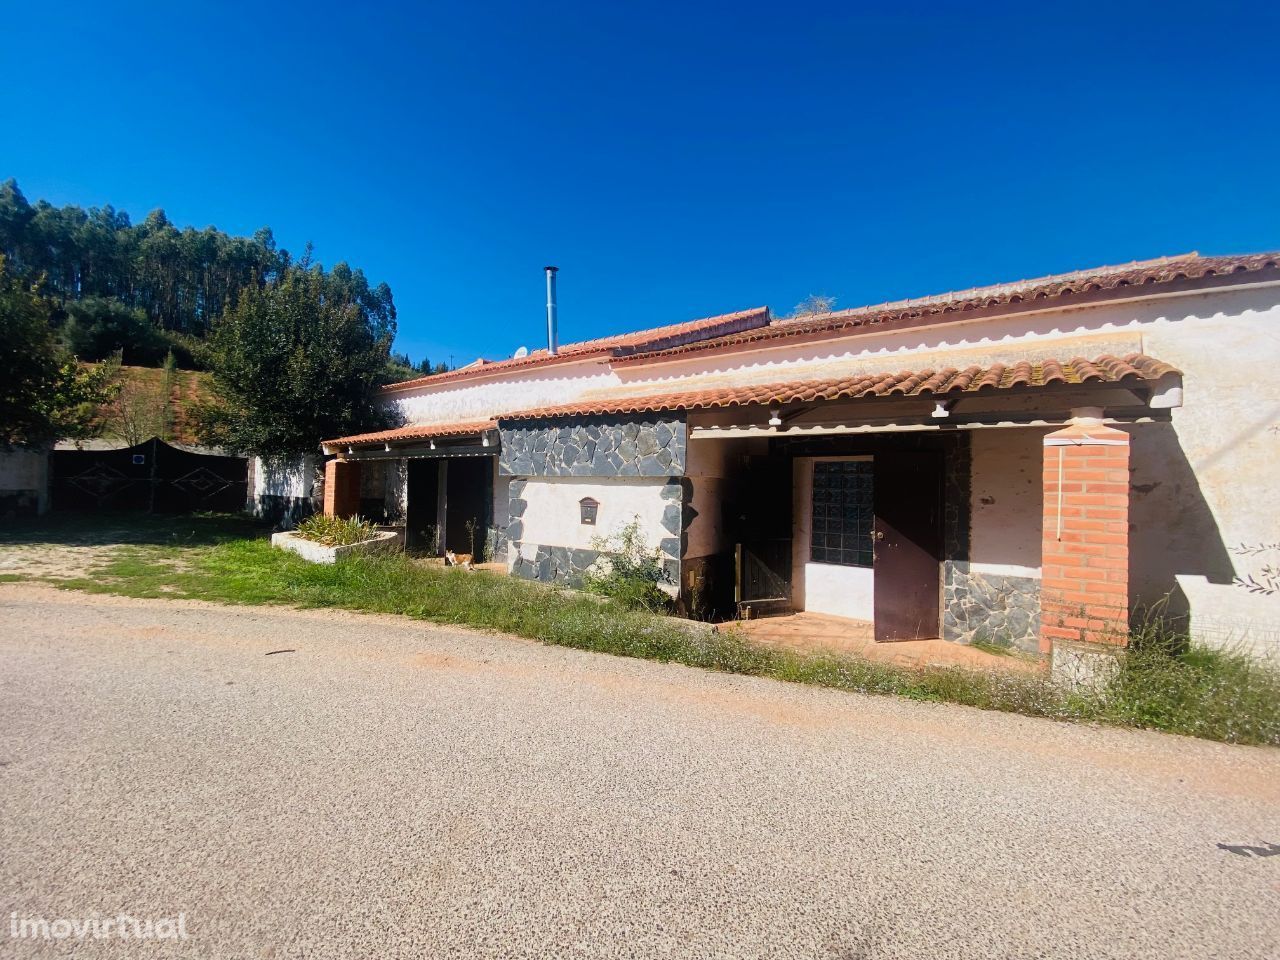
column 636, row 446
column 979, row 606
column 568, row 564
column 991, row 607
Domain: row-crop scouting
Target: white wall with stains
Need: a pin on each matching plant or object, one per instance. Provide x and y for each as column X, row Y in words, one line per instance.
column 484, row 396
column 283, row 479
column 1006, row 501
column 552, row 517
column 24, row 474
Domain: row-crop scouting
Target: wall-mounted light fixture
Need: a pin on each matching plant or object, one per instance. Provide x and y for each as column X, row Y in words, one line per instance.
column 588, row 508
column 775, row 417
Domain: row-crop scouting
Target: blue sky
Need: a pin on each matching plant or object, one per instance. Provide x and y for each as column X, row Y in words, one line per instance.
column 674, row 160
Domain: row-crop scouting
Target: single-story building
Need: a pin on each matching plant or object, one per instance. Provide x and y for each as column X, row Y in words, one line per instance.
column 1031, row 463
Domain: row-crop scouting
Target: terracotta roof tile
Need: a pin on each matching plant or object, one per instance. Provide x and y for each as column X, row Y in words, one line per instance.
column 961, row 305
column 426, row 431
column 908, row 383
column 619, row 345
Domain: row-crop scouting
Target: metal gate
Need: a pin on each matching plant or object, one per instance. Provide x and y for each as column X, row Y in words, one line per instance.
column 763, row 577
column 152, row 476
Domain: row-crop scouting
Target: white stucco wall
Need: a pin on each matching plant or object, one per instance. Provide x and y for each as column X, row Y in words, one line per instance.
column 1061, row 333
column 1006, row 502
column 552, row 515
column 26, row 470
column 283, row 480
column 1202, row 509
column 482, row 397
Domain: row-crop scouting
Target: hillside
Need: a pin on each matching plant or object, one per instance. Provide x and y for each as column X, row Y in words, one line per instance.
column 155, row 402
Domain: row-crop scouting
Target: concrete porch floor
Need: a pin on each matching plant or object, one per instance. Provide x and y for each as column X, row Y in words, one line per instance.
column 819, row 633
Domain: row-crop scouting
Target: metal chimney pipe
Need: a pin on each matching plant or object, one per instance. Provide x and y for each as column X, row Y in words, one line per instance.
column 553, row 342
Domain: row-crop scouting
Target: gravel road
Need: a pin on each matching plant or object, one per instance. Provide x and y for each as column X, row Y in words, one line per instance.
column 391, row 789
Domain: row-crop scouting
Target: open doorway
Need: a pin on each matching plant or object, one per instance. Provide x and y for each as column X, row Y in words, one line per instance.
column 422, row 513
column 868, row 540
column 450, row 506
column 468, row 505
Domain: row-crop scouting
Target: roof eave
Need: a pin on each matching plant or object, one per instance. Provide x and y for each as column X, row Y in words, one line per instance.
column 860, row 325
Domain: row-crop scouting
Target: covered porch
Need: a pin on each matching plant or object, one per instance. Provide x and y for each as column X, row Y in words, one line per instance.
column 984, row 505
column 435, row 483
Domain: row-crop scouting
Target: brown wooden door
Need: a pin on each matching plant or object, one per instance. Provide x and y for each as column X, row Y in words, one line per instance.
column 908, row 545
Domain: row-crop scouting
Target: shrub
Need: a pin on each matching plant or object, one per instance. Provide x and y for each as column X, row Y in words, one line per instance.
column 98, row 327
column 630, row 572
column 336, row 531
column 1166, row 681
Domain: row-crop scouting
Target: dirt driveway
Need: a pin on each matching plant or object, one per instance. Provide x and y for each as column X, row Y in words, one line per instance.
column 69, row 546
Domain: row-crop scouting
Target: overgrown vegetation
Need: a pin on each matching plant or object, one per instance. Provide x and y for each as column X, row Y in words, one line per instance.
column 630, row 571
column 335, row 531
column 812, row 306
column 1166, row 682
column 1162, row 683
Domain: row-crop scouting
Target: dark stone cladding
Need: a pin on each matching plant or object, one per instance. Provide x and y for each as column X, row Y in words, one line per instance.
column 994, row 608
column 639, row 446
column 555, row 564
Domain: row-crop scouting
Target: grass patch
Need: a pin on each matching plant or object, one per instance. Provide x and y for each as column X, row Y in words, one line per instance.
column 992, row 647
column 1162, row 683
column 70, row 528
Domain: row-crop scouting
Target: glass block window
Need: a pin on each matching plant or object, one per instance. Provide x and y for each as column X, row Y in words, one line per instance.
column 843, row 512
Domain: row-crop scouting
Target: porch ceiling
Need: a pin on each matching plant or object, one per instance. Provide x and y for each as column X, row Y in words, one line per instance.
column 1132, row 370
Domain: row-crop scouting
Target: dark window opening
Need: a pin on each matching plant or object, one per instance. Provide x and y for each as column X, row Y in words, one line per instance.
column 843, row 513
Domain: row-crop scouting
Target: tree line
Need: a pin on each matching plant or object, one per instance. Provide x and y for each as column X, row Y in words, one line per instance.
column 297, row 352
column 149, row 288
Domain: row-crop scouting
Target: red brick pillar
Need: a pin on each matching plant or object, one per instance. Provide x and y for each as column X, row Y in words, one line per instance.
column 341, row 488
column 1084, row 590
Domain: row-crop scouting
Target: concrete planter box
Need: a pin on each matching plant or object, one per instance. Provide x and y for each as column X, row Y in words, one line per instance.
column 385, row 541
